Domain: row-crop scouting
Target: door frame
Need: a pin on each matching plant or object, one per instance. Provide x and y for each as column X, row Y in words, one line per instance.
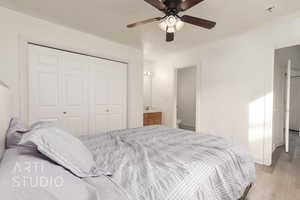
column 23, row 73
column 287, row 106
column 198, row 90
column 268, row 138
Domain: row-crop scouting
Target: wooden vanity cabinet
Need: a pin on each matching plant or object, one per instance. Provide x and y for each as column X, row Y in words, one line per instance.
column 152, row 118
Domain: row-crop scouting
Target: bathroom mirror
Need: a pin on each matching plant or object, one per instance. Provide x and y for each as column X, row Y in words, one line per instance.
column 147, row 90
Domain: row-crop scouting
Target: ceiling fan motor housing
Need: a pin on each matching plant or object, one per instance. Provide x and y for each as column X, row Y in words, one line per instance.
column 172, row 6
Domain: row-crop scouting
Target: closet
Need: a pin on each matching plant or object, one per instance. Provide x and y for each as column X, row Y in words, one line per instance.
column 80, row 93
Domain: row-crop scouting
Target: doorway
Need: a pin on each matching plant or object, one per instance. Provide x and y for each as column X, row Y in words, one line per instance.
column 186, row 98
column 286, row 110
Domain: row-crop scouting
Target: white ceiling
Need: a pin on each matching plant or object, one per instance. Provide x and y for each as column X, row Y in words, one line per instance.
column 109, row 18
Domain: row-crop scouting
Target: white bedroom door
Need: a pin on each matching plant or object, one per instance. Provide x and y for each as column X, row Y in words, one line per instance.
column 58, row 89
column 287, row 110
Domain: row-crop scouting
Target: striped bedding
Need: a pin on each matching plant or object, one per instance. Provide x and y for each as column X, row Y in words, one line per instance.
column 160, row 163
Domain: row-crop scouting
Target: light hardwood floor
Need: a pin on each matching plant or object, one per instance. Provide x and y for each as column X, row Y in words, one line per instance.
column 281, row 181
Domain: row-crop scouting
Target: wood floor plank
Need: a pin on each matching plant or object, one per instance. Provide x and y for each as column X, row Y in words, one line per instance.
column 281, row 181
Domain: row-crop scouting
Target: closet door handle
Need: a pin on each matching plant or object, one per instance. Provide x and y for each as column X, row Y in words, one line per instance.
column 107, row 110
column 64, row 113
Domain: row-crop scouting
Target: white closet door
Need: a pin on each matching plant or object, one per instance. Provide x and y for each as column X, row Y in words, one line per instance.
column 108, row 96
column 98, row 96
column 117, row 96
column 79, row 93
column 74, row 93
column 58, row 89
column 44, row 85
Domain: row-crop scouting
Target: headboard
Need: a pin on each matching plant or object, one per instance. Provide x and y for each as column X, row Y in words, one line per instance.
column 5, row 115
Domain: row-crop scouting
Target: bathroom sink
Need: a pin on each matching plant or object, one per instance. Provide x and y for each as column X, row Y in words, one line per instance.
column 151, row 110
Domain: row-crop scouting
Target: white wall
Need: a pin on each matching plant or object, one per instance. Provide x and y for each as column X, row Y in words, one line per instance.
column 163, row 91
column 236, row 98
column 186, row 96
column 16, row 27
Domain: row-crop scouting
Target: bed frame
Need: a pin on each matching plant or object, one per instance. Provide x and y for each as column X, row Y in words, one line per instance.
column 246, row 192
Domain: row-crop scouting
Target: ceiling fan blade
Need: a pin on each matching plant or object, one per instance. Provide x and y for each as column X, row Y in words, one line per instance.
column 157, row 4
column 187, row 4
column 144, row 22
column 198, row 21
column 169, row 37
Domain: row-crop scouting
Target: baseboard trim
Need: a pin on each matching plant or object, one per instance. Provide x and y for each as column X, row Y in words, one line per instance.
column 260, row 162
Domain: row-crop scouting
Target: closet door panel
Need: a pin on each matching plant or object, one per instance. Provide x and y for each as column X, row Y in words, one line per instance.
column 58, row 88
column 101, row 123
column 74, row 86
column 117, row 95
column 108, row 95
column 115, row 122
column 116, row 109
column 117, row 83
column 100, row 85
column 101, row 89
column 48, row 89
column 75, row 93
column 73, row 124
column 101, row 119
column 98, row 96
column 116, row 117
column 44, row 81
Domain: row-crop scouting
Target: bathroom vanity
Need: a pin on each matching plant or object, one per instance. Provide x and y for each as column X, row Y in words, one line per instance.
column 152, row 117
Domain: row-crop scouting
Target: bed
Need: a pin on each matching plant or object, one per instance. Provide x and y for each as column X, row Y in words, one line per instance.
column 148, row 163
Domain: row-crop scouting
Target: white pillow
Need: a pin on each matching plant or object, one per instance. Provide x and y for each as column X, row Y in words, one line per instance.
column 15, row 132
column 64, row 149
column 17, row 129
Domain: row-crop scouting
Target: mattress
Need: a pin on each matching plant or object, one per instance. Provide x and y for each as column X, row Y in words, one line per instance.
column 161, row 163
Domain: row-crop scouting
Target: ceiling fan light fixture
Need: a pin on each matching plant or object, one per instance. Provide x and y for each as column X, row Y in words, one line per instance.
column 172, row 21
column 171, row 29
column 171, row 24
column 179, row 25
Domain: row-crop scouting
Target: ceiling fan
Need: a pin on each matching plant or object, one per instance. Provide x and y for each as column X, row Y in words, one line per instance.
column 172, row 22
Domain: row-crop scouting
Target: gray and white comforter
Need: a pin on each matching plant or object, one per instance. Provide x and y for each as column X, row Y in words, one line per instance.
column 159, row 163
